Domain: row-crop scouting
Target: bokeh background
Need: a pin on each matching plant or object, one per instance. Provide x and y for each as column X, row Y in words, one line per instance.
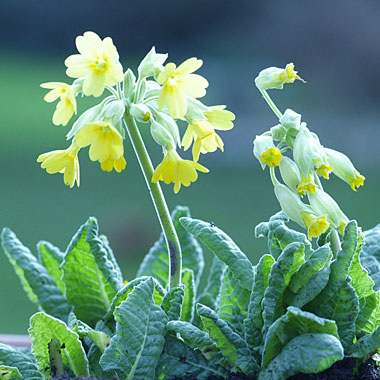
column 334, row 44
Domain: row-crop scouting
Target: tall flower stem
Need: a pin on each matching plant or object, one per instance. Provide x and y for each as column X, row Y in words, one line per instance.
column 271, row 104
column 172, row 241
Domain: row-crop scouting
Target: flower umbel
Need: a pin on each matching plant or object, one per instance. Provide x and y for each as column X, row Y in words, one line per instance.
column 177, row 82
column 106, row 144
column 174, row 169
column 67, row 105
column 98, row 63
column 62, row 161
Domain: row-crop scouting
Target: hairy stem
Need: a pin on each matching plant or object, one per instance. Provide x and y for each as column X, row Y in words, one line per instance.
column 271, row 104
column 174, row 248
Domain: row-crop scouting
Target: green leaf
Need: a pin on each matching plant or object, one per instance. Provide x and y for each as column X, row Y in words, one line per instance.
column 156, row 263
column 124, row 292
column 370, row 254
column 89, row 274
column 232, row 346
column 36, row 280
column 94, row 355
column 9, row 373
column 172, row 302
column 188, row 306
column 44, row 328
column 369, row 315
column 197, row 339
column 136, row 347
column 16, row 358
column 178, row 359
column 281, row 273
column 233, row 303
column 214, row 281
column 111, row 257
column 307, row 353
column 254, row 322
column 51, row 258
column 367, row 345
column 294, row 323
column 224, row 248
column 280, row 236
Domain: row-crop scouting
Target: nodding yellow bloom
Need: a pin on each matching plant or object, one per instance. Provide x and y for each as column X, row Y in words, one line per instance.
column 126, row 283
column 289, row 75
column 174, row 169
column 110, row 164
column 202, row 132
column 316, row 225
column 324, row 170
column 272, row 157
column 62, row 161
column 67, row 105
column 106, row 144
column 307, row 184
column 177, row 82
column 356, row 181
column 98, row 63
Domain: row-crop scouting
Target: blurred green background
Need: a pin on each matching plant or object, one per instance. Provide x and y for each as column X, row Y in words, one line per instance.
column 333, row 44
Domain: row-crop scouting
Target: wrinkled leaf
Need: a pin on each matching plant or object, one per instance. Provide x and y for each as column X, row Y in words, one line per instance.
column 9, row 373
column 188, row 306
column 172, row 302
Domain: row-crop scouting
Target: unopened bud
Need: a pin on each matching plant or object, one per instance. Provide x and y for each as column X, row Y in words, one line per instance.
column 140, row 112
column 290, row 172
column 152, row 64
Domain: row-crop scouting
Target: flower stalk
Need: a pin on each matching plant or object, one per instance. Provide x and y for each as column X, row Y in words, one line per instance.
column 163, row 214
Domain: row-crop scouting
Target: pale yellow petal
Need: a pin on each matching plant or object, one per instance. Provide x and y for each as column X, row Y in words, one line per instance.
column 194, row 85
column 77, row 66
column 114, row 74
column 196, row 149
column 109, row 49
column 176, row 103
column 168, row 70
column 89, row 45
column 189, row 66
column 187, row 138
column 94, row 85
column 220, row 119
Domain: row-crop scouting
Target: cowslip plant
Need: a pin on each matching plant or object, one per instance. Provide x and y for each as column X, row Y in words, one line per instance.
column 311, row 301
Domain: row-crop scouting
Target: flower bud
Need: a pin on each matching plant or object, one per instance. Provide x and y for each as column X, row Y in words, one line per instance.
column 274, row 77
column 195, row 110
column 291, row 119
column 322, row 203
column 290, row 172
column 113, row 111
column 169, row 123
column 140, row 112
column 344, row 169
column 266, row 152
column 161, row 135
column 129, row 83
column 152, row 64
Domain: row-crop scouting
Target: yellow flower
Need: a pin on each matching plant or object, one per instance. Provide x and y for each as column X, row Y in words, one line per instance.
column 98, row 63
column 62, row 161
column 356, row 181
column 289, row 75
column 315, row 225
column 106, row 144
column 119, row 165
column 202, row 132
column 177, row 82
column 324, row 170
column 272, row 157
column 307, row 184
column 174, row 169
column 67, row 105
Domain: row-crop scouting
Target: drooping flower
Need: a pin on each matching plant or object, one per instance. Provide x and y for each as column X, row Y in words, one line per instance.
column 106, row 143
column 307, row 184
column 110, row 164
column 62, row 161
column 67, row 105
column 316, row 225
column 272, row 157
column 266, row 152
column 98, row 63
column 173, row 169
column 177, row 82
column 202, row 132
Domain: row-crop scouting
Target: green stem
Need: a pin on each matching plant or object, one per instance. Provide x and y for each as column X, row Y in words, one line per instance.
column 174, row 248
column 271, row 104
column 335, row 242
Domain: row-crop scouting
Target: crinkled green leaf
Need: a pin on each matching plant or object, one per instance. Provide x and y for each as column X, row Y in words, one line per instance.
column 172, row 302
column 369, row 315
column 188, row 306
column 294, row 323
column 124, row 292
column 307, row 353
column 224, row 248
column 110, row 256
column 214, row 280
column 281, row 273
column 254, row 322
column 233, row 303
column 89, row 274
column 367, row 345
column 370, row 254
column 9, row 373
column 232, row 346
column 16, row 358
column 280, row 236
column 197, row 339
column 136, row 347
column 38, row 284
column 156, row 263
column 51, row 258
column 44, row 328
column 178, row 359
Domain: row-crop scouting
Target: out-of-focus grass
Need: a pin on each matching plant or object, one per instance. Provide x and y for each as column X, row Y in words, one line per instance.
column 39, row 206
